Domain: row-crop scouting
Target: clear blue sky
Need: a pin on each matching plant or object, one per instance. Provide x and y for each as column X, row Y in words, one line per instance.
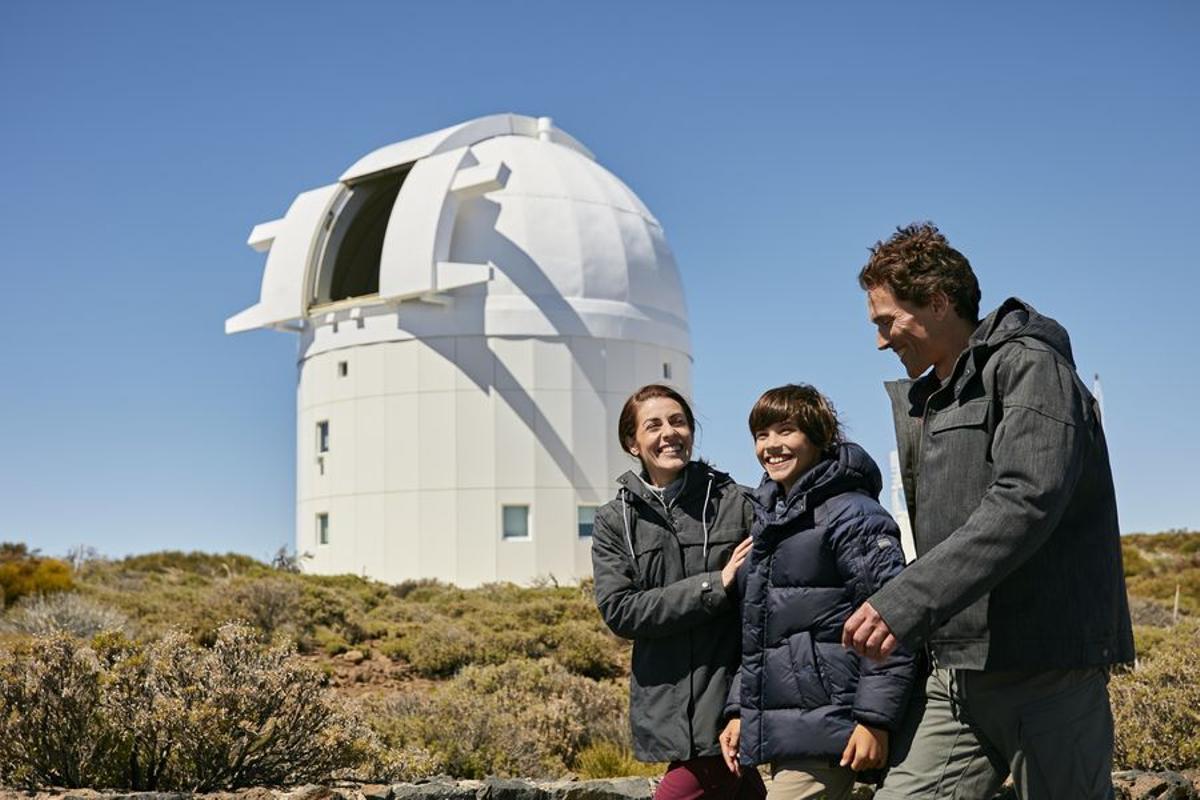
column 1057, row 144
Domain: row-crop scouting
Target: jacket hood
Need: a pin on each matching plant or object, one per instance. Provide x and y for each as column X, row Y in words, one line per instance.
column 696, row 476
column 1016, row 318
column 850, row 469
column 1013, row 319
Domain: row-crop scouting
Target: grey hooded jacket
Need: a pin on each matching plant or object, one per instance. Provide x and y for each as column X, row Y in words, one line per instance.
column 658, row 582
column 1009, row 488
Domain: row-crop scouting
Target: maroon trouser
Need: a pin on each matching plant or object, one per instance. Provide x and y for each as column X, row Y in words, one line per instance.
column 707, row 778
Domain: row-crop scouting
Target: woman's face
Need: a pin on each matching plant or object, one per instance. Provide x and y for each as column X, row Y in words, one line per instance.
column 662, row 439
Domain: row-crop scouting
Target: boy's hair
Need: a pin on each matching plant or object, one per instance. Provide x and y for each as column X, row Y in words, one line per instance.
column 627, row 422
column 916, row 263
column 800, row 403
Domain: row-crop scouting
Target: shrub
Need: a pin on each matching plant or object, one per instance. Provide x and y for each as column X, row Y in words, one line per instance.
column 528, row 718
column 270, row 603
column 24, row 573
column 66, row 612
column 1156, row 707
column 584, row 650
column 51, row 730
column 612, row 760
column 169, row 715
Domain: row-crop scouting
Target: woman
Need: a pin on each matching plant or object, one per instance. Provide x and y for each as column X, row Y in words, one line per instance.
column 665, row 555
column 813, row 710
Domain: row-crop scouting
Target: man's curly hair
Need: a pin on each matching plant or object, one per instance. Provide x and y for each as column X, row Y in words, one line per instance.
column 916, row 263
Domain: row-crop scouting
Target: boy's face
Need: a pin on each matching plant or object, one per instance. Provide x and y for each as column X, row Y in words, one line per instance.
column 785, row 452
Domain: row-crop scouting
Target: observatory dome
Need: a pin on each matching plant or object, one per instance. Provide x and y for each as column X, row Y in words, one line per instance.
column 473, row 308
column 520, row 232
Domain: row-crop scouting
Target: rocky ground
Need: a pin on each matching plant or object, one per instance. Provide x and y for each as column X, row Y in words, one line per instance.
column 1131, row 785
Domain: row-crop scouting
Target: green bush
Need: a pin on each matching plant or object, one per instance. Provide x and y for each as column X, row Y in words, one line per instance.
column 169, row 715
column 1156, row 707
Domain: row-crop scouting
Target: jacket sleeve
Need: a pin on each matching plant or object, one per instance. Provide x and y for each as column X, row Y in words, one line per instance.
column 645, row 613
column 868, row 553
column 1038, row 449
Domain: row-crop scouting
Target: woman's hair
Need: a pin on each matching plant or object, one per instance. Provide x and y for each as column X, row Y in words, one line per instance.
column 627, row 423
column 800, row 403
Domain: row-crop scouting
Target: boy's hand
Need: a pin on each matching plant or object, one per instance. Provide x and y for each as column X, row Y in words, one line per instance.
column 729, row 739
column 867, row 749
column 729, row 574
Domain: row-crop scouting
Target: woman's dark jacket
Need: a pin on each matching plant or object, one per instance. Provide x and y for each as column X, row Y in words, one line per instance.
column 818, row 553
column 659, row 584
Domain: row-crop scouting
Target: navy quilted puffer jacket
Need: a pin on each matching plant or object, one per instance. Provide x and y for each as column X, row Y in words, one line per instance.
column 818, row 553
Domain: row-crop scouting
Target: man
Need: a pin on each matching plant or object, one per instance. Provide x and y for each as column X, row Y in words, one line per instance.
column 1017, row 591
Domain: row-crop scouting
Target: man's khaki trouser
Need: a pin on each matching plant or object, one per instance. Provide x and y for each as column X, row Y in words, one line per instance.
column 1052, row 730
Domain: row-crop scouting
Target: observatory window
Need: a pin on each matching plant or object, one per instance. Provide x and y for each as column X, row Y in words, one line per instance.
column 666, row 370
column 516, row 522
column 323, row 436
column 322, row 529
column 349, row 265
column 343, row 369
column 587, row 521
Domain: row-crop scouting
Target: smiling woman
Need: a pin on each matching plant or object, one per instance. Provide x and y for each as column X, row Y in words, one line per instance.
column 665, row 554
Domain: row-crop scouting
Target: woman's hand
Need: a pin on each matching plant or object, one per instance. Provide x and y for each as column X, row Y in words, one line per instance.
column 867, row 749
column 729, row 574
column 729, row 739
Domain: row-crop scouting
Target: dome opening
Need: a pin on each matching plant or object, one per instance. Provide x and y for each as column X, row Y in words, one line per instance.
column 350, row 263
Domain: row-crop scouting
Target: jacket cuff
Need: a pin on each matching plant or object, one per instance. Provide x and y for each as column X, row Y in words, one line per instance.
column 901, row 611
column 712, row 594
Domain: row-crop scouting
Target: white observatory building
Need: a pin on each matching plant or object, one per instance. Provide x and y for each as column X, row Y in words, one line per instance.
column 473, row 306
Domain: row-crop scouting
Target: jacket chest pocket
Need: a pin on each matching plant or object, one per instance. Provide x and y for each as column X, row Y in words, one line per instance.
column 957, row 444
column 650, row 564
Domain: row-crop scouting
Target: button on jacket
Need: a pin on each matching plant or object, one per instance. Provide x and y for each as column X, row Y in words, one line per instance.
column 657, row 565
column 1014, row 515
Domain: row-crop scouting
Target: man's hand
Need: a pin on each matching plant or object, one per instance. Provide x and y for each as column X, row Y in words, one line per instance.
column 729, row 574
column 867, row 634
column 729, row 739
column 867, row 749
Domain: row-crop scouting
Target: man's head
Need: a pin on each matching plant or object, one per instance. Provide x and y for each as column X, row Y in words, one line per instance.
column 922, row 297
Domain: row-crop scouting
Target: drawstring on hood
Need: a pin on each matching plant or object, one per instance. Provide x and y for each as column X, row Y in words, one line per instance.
column 661, row 494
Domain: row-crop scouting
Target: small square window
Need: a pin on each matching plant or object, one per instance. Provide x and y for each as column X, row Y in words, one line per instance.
column 587, row 520
column 323, row 436
column 666, row 370
column 322, row 529
column 516, row 522
column 343, row 369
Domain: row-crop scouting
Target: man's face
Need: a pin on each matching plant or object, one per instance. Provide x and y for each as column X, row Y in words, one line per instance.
column 905, row 328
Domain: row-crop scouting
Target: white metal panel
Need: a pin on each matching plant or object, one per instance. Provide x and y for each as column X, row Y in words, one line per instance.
column 370, row 455
column 478, row 538
column 400, row 366
column 401, row 436
column 283, row 298
column 419, row 229
column 436, row 441
column 402, row 557
column 474, row 444
column 462, row 135
column 513, row 414
column 554, row 454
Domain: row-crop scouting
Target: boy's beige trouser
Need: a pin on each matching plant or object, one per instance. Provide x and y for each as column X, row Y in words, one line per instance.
column 805, row 778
